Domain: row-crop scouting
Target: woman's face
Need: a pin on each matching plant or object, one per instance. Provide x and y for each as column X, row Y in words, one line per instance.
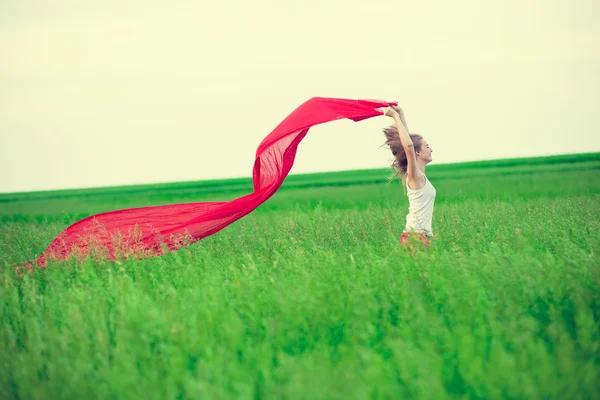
column 425, row 152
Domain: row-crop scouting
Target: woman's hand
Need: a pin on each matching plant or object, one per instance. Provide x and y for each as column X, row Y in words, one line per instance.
column 391, row 112
column 398, row 110
column 400, row 113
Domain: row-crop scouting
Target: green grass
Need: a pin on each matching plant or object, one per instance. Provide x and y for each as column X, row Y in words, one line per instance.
column 311, row 296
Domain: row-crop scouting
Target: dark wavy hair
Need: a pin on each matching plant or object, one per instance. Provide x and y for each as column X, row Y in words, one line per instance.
column 400, row 163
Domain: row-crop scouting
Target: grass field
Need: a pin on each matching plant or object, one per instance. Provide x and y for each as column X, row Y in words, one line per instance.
column 311, row 296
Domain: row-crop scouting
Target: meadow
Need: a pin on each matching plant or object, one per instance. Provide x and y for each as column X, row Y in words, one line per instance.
column 312, row 297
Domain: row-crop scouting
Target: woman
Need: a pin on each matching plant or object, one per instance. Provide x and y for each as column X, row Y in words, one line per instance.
column 412, row 153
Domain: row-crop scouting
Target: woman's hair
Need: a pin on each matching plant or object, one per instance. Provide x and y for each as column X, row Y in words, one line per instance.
column 400, row 162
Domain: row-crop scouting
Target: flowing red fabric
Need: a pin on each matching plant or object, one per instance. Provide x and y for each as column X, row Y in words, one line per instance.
column 152, row 231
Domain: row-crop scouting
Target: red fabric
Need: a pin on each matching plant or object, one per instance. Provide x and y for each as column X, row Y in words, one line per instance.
column 152, row 231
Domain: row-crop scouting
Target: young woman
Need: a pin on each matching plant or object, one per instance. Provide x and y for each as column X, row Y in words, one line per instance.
column 412, row 153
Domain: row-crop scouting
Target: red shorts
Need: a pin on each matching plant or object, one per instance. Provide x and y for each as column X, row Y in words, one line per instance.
column 421, row 236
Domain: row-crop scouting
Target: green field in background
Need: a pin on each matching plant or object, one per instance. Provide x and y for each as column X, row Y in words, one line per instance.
column 311, row 296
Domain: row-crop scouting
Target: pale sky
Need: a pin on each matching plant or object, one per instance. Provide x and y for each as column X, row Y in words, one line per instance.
column 102, row 93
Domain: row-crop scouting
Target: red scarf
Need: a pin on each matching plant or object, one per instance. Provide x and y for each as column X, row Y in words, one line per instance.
column 153, row 231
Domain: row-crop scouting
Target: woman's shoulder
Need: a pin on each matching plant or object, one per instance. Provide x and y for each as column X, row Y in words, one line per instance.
column 419, row 184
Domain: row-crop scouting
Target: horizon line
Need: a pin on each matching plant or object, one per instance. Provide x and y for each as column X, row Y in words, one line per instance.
column 130, row 185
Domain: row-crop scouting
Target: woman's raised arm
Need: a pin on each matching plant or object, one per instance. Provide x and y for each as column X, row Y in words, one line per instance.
column 415, row 179
column 402, row 117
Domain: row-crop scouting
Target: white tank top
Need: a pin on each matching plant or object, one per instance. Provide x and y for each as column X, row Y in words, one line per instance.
column 420, row 208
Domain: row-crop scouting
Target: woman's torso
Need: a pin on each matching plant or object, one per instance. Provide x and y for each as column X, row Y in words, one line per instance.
column 420, row 208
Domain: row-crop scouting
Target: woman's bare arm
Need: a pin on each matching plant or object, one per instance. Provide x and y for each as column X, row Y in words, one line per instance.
column 402, row 130
column 402, row 117
column 415, row 179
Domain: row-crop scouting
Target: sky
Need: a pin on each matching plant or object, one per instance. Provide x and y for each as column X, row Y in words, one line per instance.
column 132, row 92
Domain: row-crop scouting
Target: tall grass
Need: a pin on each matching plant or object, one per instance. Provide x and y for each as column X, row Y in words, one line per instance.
column 311, row 296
